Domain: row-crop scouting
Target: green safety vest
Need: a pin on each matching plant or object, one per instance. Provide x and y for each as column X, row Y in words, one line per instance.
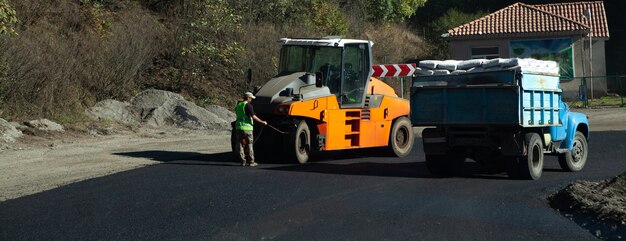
column 244, row 122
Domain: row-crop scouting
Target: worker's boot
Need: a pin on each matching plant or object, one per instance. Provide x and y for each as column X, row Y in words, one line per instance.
column 253, row 164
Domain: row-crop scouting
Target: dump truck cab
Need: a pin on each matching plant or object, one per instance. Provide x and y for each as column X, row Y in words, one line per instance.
column 324, row 98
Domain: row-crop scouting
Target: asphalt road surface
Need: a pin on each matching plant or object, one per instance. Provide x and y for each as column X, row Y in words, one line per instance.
column 196, row 196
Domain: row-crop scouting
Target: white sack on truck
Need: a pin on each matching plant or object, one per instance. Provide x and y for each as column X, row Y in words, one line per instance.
column 421, row 71
column 468, row 64
column 450, row 65
column 429, row 64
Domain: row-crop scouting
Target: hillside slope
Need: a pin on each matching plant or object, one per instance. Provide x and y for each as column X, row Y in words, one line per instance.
column 70, row 54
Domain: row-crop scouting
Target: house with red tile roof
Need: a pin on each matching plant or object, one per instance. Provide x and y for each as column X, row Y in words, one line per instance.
column 573, row 34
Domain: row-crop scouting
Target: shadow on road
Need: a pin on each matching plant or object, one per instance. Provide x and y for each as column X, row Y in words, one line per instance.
column 408, row 169
column 183, row 158
column 383, row 169
column 352, row 164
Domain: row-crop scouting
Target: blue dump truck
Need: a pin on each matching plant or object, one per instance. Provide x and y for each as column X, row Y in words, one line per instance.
column 506, row 119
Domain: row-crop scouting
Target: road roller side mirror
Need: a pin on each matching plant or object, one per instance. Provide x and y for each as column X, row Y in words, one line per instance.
column 319, row 81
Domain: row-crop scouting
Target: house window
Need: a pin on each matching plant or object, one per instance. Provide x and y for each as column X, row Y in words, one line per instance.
column 485, row 53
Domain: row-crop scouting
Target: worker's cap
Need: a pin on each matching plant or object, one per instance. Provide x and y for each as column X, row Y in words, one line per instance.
column 248, row 94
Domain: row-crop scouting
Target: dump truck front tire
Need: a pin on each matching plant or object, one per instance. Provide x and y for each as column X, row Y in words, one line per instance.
column 575, row 160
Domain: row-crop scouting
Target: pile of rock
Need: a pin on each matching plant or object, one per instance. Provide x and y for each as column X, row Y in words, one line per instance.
column 445, row 67
column 154, row 108
column 8, row 131
column 604, row 199
column 11, row 131
column 157, row 108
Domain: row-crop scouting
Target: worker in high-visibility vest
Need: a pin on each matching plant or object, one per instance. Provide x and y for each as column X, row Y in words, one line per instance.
column 244, row 129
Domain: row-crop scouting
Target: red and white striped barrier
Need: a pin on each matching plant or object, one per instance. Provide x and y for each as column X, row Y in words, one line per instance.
column 393, row 70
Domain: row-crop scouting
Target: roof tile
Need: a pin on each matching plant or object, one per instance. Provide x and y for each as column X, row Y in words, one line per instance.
column 521, row 18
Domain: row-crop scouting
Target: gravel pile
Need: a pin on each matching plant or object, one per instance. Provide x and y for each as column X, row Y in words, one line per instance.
column 157, row 108
column 117, row 111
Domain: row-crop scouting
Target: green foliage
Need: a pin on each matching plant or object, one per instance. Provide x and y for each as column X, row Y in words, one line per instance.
column 98, row 4
column 72, row 53
column 70, row 117
column 451, row 19
column 97, row 15
column 393, row 11
column 7, row 18
column 272, row 11
column 328, row 18
column 211, row 34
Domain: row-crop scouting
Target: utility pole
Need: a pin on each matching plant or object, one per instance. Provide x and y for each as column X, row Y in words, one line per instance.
column 590, row 51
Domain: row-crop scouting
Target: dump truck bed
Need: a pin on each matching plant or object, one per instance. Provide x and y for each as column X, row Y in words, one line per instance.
column 503, row 97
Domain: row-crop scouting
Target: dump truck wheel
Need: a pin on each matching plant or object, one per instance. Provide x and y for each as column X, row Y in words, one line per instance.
column 575, row 160
column 300, row 143
column 445, row 165
column 401, row 137
column 531, row 165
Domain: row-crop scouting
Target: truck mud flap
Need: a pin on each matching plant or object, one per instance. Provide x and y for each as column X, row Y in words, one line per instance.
column 512, row 144
column 434, row 142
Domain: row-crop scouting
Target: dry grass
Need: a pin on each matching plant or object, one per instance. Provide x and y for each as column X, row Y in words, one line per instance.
column 61, row 63
column 395, row 44
column 70, row 55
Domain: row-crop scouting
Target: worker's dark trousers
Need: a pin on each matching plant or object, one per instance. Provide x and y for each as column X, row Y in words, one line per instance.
column 246, row 150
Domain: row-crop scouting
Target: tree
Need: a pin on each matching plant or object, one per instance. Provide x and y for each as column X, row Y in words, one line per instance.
column 272, row 11
column 393, row 11
column 7, row 18
column 451, row 19
column 327, row 18
column 211, row 33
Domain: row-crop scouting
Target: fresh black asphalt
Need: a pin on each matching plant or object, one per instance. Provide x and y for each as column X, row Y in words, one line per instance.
column 196, row 196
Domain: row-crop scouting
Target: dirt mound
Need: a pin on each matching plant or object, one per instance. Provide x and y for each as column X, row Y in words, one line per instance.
column 182, row 113
column 117, row 111
column 603, row 199
column 222, row 112
column 153, row 98
column 158, row 108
